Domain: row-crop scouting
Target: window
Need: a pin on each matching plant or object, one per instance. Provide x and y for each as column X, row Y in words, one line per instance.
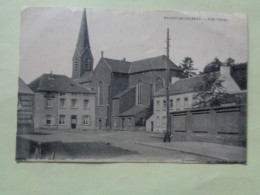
column 158, row 104
column 159, row 84
column 86, row 64
column 73, row 103
column 157, row 121
column 129, row 121
column 75, row 64
column 62, row 120
column 62, row 94
column 73, row 94
column 86, row 104
column 48, row 120
column 62, row 103
column 85, row 120
column 100, row 93
column 186, row 102
column 178, row 104
column 164, row 104
column 164, row 120
column 171, row 103
column 139, row 92
column 49, row 103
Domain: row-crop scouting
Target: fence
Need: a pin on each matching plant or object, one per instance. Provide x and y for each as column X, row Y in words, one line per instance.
column 225, row 124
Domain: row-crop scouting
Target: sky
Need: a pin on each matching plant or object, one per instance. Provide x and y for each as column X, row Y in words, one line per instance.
column 48, row 37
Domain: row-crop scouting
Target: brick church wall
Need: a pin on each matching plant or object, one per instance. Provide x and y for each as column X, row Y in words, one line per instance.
column 102, row 73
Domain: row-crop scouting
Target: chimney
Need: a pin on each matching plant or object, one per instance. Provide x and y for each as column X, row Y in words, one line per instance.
column 224, row 70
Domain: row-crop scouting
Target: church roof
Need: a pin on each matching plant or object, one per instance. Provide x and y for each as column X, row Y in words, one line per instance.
column 185, row 85
column 134, row 111
column 83, row 39
column 119, row 66
column 123, row 92
column 83, row 44
column 155, row 63
column 57, row 83
column 23, row 88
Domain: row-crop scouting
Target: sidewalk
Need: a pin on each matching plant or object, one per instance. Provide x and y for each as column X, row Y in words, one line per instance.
column 227, row 153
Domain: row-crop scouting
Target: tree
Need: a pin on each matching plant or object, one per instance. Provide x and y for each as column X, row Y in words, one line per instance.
column 230, row 62
column 187, row 67
column 213, row 66
column 210, row 92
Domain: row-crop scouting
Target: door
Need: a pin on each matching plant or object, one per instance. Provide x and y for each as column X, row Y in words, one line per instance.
column 73, row 121
column 100, row 124
column 151, row 126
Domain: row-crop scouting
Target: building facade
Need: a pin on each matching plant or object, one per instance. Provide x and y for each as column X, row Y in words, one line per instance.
column 181, row 96
column 62, row 104
column 25, row 108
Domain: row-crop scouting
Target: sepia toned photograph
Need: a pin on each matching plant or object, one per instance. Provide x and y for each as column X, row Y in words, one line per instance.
column 105, row 85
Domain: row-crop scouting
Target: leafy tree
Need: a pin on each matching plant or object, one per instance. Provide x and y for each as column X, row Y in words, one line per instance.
column 213, row 66
column 187, row 67
column 210, row 92
column 230, row 62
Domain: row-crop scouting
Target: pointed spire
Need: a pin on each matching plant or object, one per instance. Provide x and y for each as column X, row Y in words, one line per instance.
column 83, row 39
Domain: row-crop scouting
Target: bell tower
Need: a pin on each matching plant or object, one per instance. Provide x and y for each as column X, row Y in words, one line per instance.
column 82, row 59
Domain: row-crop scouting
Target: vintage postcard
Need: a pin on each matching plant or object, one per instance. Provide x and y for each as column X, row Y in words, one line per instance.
column 132, row 86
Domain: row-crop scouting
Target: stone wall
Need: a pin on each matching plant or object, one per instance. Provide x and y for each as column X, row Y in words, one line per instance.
column 226, row 124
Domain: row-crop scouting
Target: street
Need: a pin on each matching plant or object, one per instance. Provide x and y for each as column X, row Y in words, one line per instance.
column 105, row 146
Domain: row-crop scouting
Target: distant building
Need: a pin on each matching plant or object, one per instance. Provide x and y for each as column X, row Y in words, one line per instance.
column 60, row 103
column 25, row 108
column 123, row 89
column 181, row 95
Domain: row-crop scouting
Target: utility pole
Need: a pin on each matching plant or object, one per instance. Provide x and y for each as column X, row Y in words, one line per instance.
column 168, row 120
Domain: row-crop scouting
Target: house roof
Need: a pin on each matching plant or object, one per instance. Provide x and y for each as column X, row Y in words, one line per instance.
column 155, row 63
column 120, row 94
column 87, row 76
column 119, row 66
column 57, row 83
column 134, row 111
column 186, row 85
column 23, row 88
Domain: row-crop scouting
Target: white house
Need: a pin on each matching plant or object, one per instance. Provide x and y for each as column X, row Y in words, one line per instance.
column 181, row 94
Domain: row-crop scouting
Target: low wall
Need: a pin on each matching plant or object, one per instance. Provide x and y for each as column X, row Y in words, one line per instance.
column 225, row 125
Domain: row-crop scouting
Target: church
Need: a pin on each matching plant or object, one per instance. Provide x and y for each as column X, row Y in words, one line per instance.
column 124, row 90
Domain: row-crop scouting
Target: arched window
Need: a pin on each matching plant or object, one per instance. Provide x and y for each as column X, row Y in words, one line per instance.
column 159, row 84
column 75, row 63
column 139, row 94
column 86, row 64
column 100, row 93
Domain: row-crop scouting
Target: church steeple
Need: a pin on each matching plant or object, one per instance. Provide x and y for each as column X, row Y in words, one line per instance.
column 82, row 59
